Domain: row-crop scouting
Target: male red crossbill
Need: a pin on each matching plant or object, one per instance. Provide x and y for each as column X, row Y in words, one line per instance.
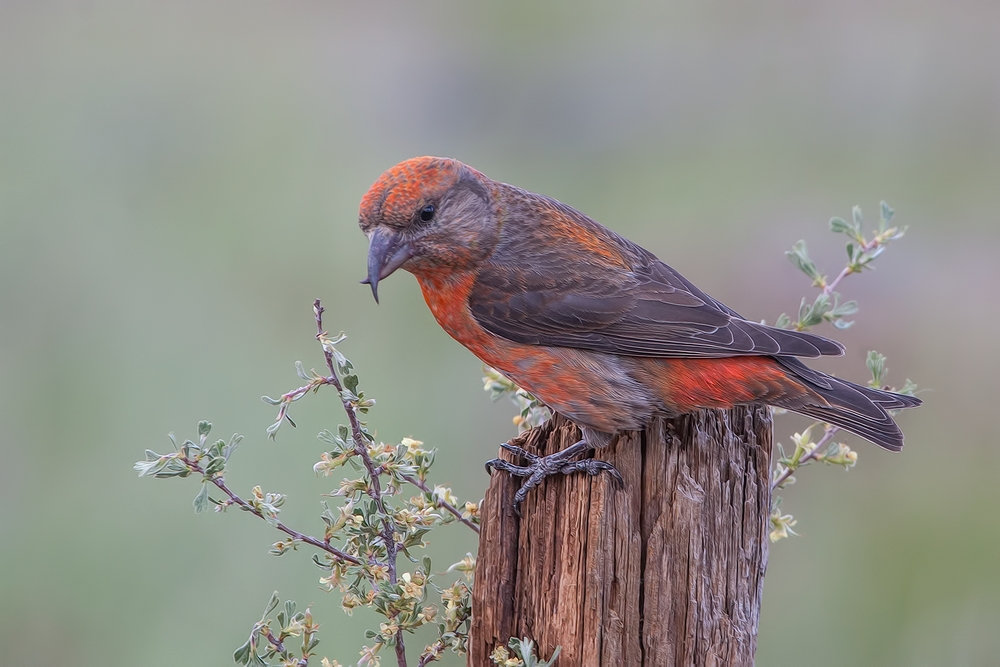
column 593, row 325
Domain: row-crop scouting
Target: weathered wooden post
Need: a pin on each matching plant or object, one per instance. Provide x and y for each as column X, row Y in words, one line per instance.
column 668, row 570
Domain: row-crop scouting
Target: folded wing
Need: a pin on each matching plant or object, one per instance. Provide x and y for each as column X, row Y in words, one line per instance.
column 649, row 310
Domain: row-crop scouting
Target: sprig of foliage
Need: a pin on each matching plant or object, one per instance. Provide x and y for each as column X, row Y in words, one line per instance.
column 264, row 645
column 369, row 526
column 826, row 307
column 521, row 654
column 531, row 411
column 861, row 252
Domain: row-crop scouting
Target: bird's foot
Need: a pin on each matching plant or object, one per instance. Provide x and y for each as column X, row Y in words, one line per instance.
column 540, row 467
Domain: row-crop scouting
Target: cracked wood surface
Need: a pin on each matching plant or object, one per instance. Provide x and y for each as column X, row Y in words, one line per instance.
column 667, row 571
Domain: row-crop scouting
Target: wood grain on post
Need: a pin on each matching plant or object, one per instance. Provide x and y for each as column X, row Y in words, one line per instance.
column 668, row 570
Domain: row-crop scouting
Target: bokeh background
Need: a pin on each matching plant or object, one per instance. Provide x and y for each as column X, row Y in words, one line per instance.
column 179, row 180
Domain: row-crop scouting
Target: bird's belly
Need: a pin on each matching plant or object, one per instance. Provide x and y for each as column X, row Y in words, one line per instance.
column 591, row 388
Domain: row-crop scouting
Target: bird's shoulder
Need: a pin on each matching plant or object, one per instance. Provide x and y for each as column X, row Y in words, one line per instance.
column 546, row 245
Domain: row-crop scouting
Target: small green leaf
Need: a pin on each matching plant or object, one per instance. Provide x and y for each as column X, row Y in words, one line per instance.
column 344, row 364
column 215, row 466
column 228, row 449
column 215, row 449
column 270, row 401
column 301, row 371
column 887, row 213
column 242, row 655
column 552, row 659
column 142, row 467
column 204, row 428
column 844, row 309
column 856, row 216
column 271, row 605
column 810, row 316
column 351, row 382
column 840, row 226
column 415, row 538
column 799, row 256
column 201, row 501
column 876, row 364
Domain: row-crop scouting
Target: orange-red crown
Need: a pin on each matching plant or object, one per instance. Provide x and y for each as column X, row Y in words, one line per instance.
column 403, row 190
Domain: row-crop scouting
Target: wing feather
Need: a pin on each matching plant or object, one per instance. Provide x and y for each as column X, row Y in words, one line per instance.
column 614, row 310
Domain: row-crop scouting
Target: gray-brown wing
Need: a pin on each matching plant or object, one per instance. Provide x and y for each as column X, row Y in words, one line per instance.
column 650, row 311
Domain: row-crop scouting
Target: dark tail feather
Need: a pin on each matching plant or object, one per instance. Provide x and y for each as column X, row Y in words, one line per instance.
column 860, row 410
column 883, row 432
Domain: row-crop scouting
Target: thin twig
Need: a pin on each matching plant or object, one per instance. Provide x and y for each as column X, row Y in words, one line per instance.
column 275, row 642
column 360, row 447
column 809, row 456
column 294, row 534
column 848, row 270
column 843, row 274
column 428, row 657
column 440, row 501
column 290, row 397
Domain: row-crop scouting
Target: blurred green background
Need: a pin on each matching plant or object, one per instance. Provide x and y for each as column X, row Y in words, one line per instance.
column 179, row 180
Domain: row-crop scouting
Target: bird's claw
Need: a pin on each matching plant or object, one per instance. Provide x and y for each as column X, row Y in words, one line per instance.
column 506, row 466
column 518, row 451
column 540, row 467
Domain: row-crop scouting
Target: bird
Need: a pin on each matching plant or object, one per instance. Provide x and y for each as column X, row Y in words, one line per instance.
column 593, row 325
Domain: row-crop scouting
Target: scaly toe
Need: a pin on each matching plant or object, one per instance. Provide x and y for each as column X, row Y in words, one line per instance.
column 594, row 467
column 530, row 483
column 507, row 467
column 517, row 451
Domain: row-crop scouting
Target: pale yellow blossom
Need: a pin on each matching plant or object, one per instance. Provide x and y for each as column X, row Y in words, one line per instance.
column 369, row 656
column 444, row 494
column 409, row 588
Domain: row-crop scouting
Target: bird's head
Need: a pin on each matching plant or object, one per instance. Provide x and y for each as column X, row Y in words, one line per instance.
column 427, row 214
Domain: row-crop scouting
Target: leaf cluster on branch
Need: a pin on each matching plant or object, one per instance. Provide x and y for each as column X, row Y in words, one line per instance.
column 826, row 307
column 367, row 525
column 521, row 653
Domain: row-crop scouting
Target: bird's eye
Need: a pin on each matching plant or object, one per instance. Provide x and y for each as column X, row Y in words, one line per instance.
column 427, row 213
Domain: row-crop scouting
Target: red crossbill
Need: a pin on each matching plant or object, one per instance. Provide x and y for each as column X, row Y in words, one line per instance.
column 593, row 325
